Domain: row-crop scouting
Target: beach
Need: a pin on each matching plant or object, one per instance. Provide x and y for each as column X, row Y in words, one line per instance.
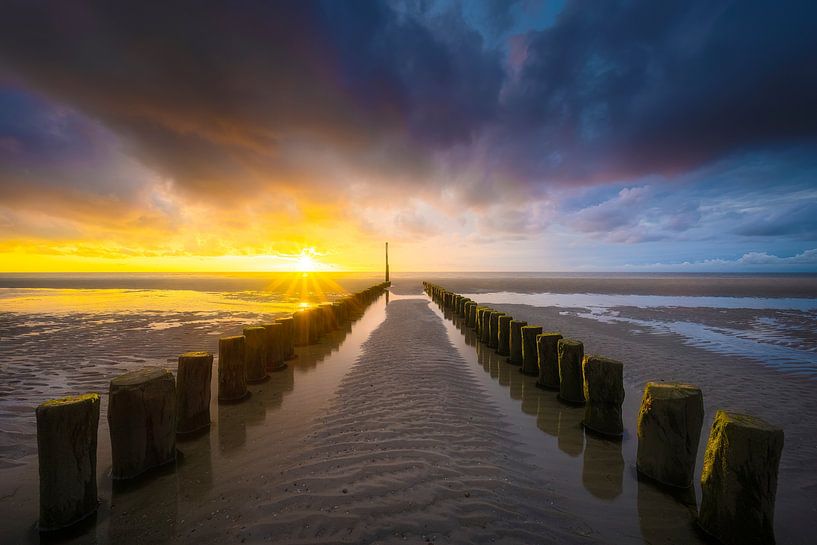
column 400, row 427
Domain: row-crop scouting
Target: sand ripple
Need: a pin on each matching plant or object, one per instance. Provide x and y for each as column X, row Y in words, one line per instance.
column 409, row 450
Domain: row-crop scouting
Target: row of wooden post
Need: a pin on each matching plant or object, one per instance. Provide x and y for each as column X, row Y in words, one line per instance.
column 739, row 475
column 147, row 408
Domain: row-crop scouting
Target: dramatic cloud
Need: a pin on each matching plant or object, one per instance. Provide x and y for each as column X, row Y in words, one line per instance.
column 249, row 127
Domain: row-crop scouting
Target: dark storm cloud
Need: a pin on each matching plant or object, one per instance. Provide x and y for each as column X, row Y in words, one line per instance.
column 227, row 89
column 639, row 87
column 418, row 96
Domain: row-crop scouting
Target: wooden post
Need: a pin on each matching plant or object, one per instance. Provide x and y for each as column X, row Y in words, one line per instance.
column 275, row 347
column 515, row 342
column 289, row 336
column 604, row 392
column 232, row 376
column 669, row 428
column 530, row 356
column 503, row 335
column 142, row 421
column 66, row 451
column 493, row 328
column 255, row 354
column 571, row 382
column 548, row 355
column 193, row 391
column 739, row 479
column 302, row 325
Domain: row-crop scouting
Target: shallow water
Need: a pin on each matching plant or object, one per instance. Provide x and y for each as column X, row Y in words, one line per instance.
column 777, row 332
column 595, row 475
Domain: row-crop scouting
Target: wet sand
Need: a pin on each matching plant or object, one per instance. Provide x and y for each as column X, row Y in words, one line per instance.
column 402, row 429
column 728, row 382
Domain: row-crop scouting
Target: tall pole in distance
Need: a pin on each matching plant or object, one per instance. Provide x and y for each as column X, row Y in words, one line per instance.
column 387, row 262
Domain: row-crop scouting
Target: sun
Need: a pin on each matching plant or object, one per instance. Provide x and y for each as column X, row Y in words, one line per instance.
column 306, row 262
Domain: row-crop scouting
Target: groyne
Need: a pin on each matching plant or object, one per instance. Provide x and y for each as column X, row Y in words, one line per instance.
column 149, row 407
column 739, row 474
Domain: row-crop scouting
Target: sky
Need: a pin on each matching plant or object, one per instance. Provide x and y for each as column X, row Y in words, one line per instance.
column 678, row 135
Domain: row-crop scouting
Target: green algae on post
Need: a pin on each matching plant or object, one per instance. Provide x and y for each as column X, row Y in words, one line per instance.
column 515, row 342
column 604, row 394
column 547, row 352
column 669, row 428
column 739, row 479
column 571, row 382
column 530, row 359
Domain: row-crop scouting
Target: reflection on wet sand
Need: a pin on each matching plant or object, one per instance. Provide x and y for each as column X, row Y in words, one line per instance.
column 665, row 515
column 603, row 468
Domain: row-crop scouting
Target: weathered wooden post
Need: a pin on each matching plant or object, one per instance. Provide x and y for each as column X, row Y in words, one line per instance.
column 232, row 377
column 274, row 340
column 669, row 428
column 193, row 391
column 316, row 325
column 142, row 421
column 530, row 356
column 547, row 351
column 328, row 314
column 66, row 451
column 739, row 479
column 478, row 320
column 515, row 342
column 302, row 325
column 571, row 383
column 493, row 328
column 503, row 335
column 289, row 336
column 255, row 354
column 472, row 315
column 483, row 325
column 604, row 393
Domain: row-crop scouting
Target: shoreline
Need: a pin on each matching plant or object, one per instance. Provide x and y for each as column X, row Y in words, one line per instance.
column 231, row 479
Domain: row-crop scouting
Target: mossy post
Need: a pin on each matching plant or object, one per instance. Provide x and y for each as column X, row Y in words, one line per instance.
column 142, row 421
column 274, row 339
column 66, row 451
column 530, row 356
column 193, row 391
column 669, row 428
column 232, row 378
column 472, row 315
column 493, row 328
column 604, row 394
column 503, row 335
column 547, row 352
column 255, row 354
column 515, row 342
column 571, row 382
column 739, row 479
column 484, row 325
column 478, row 320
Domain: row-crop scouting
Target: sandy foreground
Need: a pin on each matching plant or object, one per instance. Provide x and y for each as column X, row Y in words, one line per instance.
column 401, row 428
